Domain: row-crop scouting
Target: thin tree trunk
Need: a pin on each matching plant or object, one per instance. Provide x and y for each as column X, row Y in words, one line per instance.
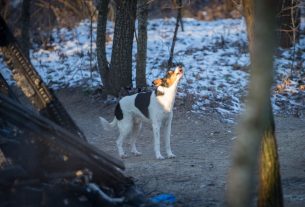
column 25, row 27
column 255, row 118
column 179, row 17
column 101, row 43
column 121, row 58
column 142, row 43
column 289, row 22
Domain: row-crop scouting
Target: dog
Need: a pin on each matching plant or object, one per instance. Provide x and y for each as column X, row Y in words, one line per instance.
column 154, row 107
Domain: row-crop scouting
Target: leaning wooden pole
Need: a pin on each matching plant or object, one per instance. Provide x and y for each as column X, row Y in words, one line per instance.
column 31, row 83
column 255, row 118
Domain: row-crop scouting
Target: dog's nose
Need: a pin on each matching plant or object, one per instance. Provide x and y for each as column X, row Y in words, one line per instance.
column 180, row 69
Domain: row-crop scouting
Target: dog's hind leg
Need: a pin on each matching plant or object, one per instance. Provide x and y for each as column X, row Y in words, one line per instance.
column 125, row 127
column 137, row 124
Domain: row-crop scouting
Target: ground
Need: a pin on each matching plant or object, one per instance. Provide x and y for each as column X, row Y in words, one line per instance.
column 202, row 144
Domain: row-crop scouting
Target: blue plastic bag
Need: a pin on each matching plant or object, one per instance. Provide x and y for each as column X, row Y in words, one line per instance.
column 164, row 198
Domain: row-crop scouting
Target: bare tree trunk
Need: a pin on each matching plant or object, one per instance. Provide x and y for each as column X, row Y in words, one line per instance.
column 119, row 74
column 289, row 22
column 270, row 188
column 179, row 17
column 102, row 7
column 25, row 27
column 256, row 117
column 121, row 58
column 270, row 191
column 142, row 43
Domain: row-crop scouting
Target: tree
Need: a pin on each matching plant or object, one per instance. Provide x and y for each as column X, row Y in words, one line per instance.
column 118, row 74
column 178, row 5
column 102, row 6
column 270, row 190
column 289, row 19
column 142, row 11
column 121, row 57
column 257, row 126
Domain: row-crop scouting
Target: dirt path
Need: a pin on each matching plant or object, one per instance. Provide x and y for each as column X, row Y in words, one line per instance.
column 202, row 144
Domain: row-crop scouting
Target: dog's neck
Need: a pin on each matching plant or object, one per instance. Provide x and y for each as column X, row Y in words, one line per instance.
column 167, row 100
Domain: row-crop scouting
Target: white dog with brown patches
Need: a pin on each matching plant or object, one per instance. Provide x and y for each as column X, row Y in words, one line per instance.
column 154, row 107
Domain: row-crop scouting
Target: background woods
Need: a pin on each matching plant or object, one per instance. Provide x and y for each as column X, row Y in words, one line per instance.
column 73, row 60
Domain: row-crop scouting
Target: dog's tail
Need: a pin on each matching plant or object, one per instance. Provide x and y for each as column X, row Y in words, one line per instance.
column 108, row 125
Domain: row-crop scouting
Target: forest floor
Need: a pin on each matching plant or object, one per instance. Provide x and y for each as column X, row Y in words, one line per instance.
column 203, row 146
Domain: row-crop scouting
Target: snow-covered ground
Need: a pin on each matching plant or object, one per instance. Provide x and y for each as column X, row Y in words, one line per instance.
column 214, row 53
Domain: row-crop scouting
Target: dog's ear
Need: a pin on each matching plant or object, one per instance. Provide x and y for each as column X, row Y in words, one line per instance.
column 157, row 82
column 169, row 73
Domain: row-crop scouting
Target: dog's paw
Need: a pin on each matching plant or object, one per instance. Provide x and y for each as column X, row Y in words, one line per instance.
column 171, row 156
column 123, row 156
column 159, row 157
column 136, row 153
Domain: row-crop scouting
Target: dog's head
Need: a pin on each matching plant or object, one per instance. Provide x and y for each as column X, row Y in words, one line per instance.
column 172, row 76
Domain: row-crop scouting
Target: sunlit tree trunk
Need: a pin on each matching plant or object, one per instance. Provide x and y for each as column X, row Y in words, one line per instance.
column 256, row 117
column 142, row 43
column 270, row 188
column 121, row 59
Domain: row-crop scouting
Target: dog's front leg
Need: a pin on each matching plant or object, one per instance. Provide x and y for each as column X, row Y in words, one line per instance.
column 156, row 130
column 119, row 144
column 167, row 135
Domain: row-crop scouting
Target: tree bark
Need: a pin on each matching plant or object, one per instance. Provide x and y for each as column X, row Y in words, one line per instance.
column 142, row 43
column 103, row 65
column 248, row 6
column 25, row 27
column 270, row 188
column 256, row 117
column 121, row 58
